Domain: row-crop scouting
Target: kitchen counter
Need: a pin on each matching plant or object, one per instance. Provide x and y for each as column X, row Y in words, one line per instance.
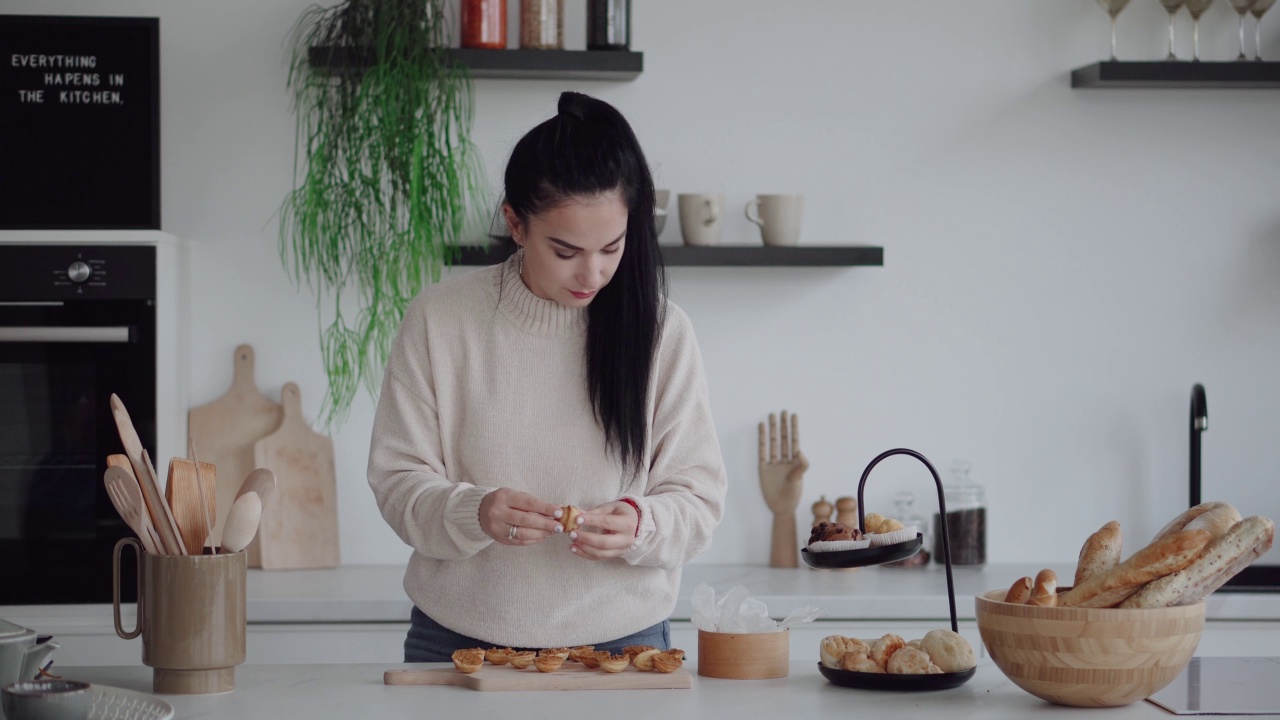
column 373, row 594
column 323, row 692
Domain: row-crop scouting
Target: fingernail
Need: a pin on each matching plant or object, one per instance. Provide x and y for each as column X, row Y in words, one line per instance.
column 559, row 514
column 558, row 529
column 573, row 548
column 581, row 520
column 573, row 535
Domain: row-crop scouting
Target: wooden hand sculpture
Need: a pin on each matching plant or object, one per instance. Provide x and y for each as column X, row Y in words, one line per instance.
column 781, row 481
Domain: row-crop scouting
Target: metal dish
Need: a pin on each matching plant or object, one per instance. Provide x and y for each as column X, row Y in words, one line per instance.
column 887, row 681
column 863, row 557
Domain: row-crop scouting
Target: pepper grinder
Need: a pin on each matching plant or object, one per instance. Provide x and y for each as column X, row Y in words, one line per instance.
column 821, row 511
column 847, row 511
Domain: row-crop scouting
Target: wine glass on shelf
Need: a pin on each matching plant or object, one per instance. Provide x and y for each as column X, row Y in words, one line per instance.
column 1196, row 8
column 1172, row 7
column 1260, row 8
column 1242, row 8
column 1113, row 8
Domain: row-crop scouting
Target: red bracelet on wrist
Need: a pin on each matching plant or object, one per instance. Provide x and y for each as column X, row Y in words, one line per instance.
column 639, row 514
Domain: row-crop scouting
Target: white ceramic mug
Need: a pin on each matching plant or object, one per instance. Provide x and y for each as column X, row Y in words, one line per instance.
column 778, row 217
column 700, row 215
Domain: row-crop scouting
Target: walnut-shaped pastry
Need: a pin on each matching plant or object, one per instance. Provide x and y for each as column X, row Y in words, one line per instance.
column 560, row 652
column 469, row 660
column 669, row 661
column 644, row 661
column 614, row 663
column 576, row 653
column 548, row 663
column 523, row 659
column 592, row 659
column 632, row 651
column 498, row 656
column 569, row 518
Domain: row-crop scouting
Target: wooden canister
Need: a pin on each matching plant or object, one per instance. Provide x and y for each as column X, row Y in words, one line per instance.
column 745, row 656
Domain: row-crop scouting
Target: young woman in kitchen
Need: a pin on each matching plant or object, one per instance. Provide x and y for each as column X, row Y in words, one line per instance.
column 560, row 377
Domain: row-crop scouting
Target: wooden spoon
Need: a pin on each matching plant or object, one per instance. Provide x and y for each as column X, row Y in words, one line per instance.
column 242, row 522
column 145, row 472
column 261, row 481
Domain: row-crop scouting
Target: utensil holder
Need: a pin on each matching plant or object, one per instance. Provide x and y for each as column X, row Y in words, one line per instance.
column 744, row 656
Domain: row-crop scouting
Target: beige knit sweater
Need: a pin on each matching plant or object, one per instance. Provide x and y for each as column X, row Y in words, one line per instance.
column 486, row 388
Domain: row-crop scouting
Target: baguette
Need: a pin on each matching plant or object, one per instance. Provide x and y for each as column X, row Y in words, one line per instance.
column 1020, row 592
column 1161, row 557
column 1221, row 559
column 1186, row 516
column 1217, row 521
column 1100, row 553
column 1046, row 590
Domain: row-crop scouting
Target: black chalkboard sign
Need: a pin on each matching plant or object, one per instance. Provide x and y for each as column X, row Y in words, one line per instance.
column 79, row 122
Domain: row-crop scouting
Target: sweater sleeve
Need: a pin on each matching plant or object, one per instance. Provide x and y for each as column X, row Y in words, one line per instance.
column 684, row 495
column 432, row 514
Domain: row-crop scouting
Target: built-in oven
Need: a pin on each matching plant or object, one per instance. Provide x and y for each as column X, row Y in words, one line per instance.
column 77, row 323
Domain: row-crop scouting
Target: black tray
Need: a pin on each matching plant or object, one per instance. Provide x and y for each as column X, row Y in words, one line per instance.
column 888, row 681
column 863, row 557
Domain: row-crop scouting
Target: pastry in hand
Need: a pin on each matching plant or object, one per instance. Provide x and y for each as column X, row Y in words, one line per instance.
column 885, row 647
column 469, row 660
column 669, row 661
column 569, row 518
column 911, row 661
column 523, row 659
column 948, row 650
column 615, row 663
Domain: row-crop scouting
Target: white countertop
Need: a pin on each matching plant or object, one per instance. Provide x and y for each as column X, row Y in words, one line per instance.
column 323, row 692
column 373, row 593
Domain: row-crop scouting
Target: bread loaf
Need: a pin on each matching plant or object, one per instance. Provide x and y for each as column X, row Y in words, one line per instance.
column 1217, row 521
column 1221, row 559
column 1100, row 553
column 1045, row 593
column 1163, row 556
column 1020, row 592
column 1186, row 516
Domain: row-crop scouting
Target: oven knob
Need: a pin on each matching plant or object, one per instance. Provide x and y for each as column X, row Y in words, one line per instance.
column 79, row 271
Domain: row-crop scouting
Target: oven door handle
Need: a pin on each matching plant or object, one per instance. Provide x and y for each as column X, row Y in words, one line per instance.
column 56, row 334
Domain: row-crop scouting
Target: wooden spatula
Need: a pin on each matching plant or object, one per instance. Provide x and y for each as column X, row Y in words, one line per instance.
column 166, row 528
column 183, row 492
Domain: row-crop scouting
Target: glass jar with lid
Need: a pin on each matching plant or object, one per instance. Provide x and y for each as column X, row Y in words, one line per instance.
column 905, row 513
column 542, row 24
column 966, row 519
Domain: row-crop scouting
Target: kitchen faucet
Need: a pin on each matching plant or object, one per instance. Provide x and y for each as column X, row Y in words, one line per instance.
column 1199, row 423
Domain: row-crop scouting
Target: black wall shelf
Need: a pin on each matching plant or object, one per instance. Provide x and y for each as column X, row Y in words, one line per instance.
column 1177, row 74
column 728, row 256
column 618, row 65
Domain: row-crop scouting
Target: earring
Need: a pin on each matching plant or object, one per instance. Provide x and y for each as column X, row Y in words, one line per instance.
column 520, row 260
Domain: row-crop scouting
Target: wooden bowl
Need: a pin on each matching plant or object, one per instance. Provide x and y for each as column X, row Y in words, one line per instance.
column 745, row 656
column 1088, row 657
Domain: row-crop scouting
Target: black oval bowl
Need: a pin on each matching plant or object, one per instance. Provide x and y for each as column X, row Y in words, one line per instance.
column 863, row 557
column 886, row 681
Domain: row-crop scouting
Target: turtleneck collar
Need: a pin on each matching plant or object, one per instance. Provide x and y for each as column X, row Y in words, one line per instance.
column 532, row 313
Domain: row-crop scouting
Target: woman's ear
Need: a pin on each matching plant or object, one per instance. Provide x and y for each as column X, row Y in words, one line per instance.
column 513, row 224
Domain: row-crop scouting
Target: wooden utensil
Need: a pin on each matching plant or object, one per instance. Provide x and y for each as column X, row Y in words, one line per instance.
column 242, row 522
column 570, row 676
column 183, row 492
column 227, row 428
column 208, row 491
column 161, row 518
column 300, row 527
column 261, row 481
column 126, row 496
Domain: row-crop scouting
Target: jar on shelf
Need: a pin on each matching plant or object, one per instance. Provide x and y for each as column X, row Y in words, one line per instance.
column 966, row 519
column 484, row 24
column 542, row 24
column 608, row 24
column 905, row 513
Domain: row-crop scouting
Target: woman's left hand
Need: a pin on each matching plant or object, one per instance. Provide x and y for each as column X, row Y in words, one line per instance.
column 605, row 531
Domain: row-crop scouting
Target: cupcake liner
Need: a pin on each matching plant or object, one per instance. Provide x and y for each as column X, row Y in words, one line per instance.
column 893, row 538
column 837, row 545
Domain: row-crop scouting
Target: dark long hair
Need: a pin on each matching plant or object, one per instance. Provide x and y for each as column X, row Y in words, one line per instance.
column 587, row 149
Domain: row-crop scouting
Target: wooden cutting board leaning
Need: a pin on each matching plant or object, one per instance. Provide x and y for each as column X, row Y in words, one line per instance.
column 299, row 527
column 569, row 677
column 226, row 429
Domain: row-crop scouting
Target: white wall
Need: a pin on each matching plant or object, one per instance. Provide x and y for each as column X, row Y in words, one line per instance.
column 1061, row 266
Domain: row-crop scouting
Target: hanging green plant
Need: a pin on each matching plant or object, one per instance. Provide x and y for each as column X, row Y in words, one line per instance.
column 388, row 180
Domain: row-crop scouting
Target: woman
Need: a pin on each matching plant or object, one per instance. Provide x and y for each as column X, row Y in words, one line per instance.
column 560, row 377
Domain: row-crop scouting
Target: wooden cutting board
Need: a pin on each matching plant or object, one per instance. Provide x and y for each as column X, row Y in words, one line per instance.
column 225, row 431
column 570, row 676
column 299, row 527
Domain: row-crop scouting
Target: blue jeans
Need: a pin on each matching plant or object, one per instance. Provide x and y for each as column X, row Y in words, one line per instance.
column 429, row 641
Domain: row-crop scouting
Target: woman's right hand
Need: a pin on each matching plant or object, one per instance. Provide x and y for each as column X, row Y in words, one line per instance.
column 533, row 519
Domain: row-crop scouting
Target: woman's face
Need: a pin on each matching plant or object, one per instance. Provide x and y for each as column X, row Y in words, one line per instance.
column 572, row 250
